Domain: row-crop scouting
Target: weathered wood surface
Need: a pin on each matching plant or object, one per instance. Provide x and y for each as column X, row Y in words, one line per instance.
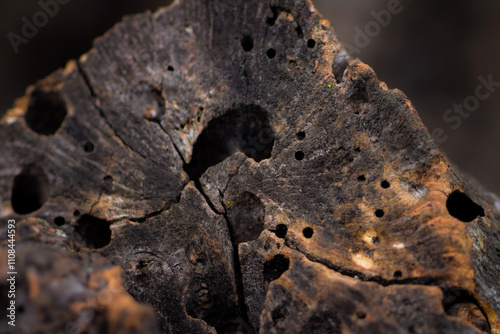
column 247, row 176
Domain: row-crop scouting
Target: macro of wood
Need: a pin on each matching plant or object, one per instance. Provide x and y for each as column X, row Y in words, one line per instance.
column 61, row 288
column 241, row 174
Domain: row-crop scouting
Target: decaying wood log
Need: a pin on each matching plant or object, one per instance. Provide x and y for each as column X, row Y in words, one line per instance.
column 58, row 289
column 247, row 176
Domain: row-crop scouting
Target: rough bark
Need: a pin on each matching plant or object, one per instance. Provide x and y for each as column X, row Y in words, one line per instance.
column 247, row 176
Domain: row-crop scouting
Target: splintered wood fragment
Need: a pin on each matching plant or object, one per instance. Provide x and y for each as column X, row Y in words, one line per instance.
column 247, row 176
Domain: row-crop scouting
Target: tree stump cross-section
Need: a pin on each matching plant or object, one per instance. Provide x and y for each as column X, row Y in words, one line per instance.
column 231, row 168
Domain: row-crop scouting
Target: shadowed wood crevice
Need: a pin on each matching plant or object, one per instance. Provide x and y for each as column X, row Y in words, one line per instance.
column 247, row 175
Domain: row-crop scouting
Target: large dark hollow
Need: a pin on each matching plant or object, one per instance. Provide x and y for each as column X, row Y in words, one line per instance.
column 275, row 267
column 246, row 129
column 46, row 112
column 30, row 190
column 460, row 206
column 246, row 216
column 95, row 232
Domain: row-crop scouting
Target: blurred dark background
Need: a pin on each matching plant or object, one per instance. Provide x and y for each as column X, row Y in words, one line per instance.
column 434, row 51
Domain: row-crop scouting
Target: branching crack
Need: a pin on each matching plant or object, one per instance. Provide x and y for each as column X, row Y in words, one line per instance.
column 173, row 143
column 221, row 192
column 243, row 311
column 458, row 294
column 184, row 161
column 426, row 280
column 94, row 99
column 153, row 214
column 150, row 253
column 141, row 219
column 207, row 199
column 97, row 202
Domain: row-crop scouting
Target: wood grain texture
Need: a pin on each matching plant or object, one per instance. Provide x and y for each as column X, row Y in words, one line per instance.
column 248, row 176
